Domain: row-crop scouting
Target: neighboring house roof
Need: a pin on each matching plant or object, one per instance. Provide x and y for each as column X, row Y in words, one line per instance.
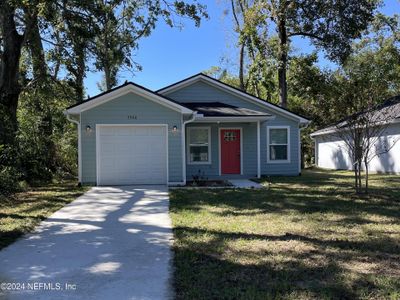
column 233, row 90
column 123, row 89
column 387, row 111
column 218, row 109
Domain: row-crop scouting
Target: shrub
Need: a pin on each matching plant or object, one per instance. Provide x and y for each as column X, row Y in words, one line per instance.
column 9, row 177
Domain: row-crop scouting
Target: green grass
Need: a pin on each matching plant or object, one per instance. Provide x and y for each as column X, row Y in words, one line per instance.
column 21, row 212
column 306, row 237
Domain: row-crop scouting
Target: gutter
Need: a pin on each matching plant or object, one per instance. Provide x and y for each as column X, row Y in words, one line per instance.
column 69, row 118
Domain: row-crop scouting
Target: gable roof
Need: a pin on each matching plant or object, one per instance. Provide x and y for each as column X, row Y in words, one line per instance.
column 249, row 97
column 380, row 113
column 127, row 87
column 218, row 109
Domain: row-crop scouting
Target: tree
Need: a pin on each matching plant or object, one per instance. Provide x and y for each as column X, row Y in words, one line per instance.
column 12, row 41
column 365, row 133
column 256, row 55
column 369, row 75
column 120, row 24
column 330, row 25
column 68, row 27
column 45, row 50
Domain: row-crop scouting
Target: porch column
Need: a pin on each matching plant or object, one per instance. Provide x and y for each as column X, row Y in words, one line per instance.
column 258, row 151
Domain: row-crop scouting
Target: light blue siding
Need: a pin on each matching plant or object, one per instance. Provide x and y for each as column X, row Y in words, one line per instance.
column 116, row 111
column 291, row 168
column 204, row 92
column 249, row 142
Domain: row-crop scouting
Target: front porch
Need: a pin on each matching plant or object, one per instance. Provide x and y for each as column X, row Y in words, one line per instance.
column 229, row 150
column 223, row 141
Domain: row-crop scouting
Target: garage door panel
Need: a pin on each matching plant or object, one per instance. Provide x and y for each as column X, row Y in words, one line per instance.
column 141, row 148
column 132, row 155
column 141, row 131
column 123, row 131
column 156, row 131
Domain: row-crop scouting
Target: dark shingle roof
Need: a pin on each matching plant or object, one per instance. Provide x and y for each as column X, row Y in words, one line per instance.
column 386, row 111
column 232, row 87
column 218, row 109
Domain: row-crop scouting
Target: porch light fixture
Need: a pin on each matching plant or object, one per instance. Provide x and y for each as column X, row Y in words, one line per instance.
column 175, row 128
column 88, row 128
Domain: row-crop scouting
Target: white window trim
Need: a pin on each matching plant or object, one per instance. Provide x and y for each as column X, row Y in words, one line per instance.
column 188, row 146
column 280, row 161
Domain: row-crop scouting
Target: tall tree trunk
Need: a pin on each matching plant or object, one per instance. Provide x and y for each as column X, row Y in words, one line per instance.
column 359, row 176
column 241, row 68
column 9, row 74
column 283, row 58
column 77, row 65
column 366, row 176
column 107, row 76
column 35, row 45
column 242, row 46
column 58, row 50
column 80, row 71
column 356, row 177
column 77, row 69
column 41, row 86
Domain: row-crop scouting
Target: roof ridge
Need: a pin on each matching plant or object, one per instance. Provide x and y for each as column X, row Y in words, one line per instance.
column 376, row 108
column 233, row 87
column 126, row 83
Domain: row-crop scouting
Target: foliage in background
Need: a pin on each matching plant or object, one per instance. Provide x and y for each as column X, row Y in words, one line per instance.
column 315, row 92
column 43, row 154
column 46, row 49
column 120, row 24
column 330, row 25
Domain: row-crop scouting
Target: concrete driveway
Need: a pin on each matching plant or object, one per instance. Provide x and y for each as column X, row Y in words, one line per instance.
column 111, row 243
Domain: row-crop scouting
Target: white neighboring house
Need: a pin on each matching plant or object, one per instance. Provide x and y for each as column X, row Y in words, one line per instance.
column 331, row 150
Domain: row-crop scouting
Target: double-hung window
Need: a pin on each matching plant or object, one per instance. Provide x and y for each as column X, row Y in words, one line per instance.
column 278, row 143
column 199, row 149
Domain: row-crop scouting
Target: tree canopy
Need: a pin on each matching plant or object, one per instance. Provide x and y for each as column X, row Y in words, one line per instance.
column 330, row 25
column 46, row 50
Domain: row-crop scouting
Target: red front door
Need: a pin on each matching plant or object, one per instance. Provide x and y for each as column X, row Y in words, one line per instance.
column 230, row 151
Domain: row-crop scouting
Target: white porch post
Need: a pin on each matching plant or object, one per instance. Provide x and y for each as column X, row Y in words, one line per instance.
column 258, row 151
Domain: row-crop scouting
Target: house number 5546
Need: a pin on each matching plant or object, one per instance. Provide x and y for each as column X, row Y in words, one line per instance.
column 133, row 117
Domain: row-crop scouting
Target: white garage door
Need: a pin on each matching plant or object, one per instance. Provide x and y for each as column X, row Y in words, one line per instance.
column 132, row 155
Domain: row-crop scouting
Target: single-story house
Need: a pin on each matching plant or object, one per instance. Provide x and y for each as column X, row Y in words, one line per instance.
column 132, row 135
column 331, row 151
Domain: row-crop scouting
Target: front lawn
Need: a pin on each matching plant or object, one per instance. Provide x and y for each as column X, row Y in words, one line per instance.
column 306, row 237
column 21, row 212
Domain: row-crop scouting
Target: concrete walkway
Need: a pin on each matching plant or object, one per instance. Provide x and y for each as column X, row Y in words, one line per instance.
column 245, row 184
column 111, row 243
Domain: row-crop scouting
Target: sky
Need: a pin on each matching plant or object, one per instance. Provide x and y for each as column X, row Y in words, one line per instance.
column 171, row 54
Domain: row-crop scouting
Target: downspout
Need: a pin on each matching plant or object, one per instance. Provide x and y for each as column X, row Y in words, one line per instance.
column 79, row 145
column 184, row 145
